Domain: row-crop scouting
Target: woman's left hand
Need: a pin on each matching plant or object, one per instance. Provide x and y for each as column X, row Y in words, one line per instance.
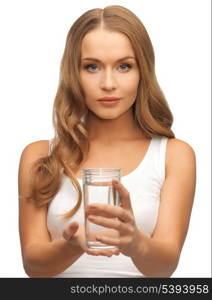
column 120, row 218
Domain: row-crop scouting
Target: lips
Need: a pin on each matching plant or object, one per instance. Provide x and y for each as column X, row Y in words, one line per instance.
column 109, row 99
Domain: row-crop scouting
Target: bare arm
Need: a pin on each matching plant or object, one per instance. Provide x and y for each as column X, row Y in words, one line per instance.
column 158, row 256
column 41, row 256
column 44, row 259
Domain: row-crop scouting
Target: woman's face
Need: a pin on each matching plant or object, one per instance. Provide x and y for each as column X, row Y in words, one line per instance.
column 106, row 72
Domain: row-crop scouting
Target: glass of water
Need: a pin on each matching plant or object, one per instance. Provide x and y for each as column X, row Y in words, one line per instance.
column 98, row 188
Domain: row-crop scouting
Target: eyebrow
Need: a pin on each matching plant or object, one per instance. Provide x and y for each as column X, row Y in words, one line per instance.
column 120, row 59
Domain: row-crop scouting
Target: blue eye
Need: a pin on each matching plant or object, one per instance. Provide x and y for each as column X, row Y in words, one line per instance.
column 125, row 65
column 90, row 67
column 93, row 68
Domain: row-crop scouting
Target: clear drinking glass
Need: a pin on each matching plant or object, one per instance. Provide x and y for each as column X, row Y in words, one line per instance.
column 98, row 188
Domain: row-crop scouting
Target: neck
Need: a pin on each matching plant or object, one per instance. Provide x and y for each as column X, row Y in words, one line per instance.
column 112, row 130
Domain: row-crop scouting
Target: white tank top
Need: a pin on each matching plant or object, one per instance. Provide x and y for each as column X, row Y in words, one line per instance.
column 144, row 185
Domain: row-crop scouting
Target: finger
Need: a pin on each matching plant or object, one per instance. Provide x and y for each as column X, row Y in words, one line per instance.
column 70, row 231
column 116, row 251
column 107, row 253
column 99, row 208
column 109, row 223
column 123, row 193
column 73, row 227
column 110, row 211
column 109, row 241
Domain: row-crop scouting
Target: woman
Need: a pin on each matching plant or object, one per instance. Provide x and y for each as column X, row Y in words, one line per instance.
column 108, row 54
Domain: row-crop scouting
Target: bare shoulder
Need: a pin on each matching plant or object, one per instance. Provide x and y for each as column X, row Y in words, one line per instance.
column 29, row 155
column 36, row 149
column 174, row 145
column 179, row 153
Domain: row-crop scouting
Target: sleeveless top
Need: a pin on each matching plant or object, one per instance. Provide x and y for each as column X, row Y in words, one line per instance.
column 144, row 185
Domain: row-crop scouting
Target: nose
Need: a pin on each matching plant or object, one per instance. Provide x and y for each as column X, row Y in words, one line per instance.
column 108, row 81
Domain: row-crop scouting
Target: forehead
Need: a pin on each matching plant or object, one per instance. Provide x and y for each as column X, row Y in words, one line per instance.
column 101, row 43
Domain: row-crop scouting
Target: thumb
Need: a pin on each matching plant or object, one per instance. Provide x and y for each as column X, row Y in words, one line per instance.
column 124, row 195
column 70, row 230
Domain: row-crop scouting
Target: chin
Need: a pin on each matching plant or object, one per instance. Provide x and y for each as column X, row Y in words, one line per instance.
column 108, row 116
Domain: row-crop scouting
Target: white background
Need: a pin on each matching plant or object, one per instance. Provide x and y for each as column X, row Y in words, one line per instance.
column 33, row 37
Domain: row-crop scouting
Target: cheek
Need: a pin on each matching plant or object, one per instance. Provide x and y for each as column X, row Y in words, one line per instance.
column 87, row 82
column 83, row 82
column 130, row 85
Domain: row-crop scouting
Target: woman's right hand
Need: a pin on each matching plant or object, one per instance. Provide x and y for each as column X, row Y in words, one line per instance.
column 75, row 235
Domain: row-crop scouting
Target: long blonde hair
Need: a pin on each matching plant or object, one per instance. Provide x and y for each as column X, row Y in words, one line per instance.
column 70, row 144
